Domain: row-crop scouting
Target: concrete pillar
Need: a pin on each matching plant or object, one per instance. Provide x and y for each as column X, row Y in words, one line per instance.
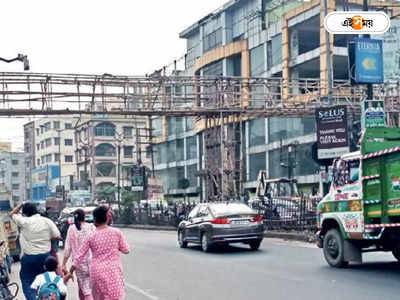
column 322, row 58
column 285, row 59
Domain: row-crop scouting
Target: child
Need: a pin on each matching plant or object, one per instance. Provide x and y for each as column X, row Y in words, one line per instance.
column 42, row 286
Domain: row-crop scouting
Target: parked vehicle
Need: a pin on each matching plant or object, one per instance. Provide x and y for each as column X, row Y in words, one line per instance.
column 209, row 224
column 361, row 212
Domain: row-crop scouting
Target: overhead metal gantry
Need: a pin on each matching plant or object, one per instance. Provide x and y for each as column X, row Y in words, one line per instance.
column 24, row 94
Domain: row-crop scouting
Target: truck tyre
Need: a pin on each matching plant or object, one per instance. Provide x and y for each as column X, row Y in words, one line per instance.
column 334, row 249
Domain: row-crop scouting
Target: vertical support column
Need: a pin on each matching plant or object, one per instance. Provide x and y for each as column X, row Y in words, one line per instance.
column 323, row 40
column 245, row 70
column 266, row 143
column 285, row 60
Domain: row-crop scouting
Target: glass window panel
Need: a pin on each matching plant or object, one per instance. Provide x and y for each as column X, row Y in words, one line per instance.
column 128, row 151
column 257, row 163
column 191, row 175
column 276, row 50
column 257, row 132
column 105, row 170
column 156, row 127
column 191, row 148
column 104, row 129
column 180, row 151
column 105, row 150
column 257, row 61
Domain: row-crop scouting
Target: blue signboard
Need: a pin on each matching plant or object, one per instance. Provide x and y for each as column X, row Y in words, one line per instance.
column 368, row 61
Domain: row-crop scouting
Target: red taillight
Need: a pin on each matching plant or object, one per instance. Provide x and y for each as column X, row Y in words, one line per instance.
column 220, row 221
column 257, row 219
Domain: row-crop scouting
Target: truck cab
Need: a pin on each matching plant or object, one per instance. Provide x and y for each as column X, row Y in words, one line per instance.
column 361, row 212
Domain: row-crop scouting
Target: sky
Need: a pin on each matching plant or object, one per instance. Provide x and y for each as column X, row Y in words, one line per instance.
column 119, row 37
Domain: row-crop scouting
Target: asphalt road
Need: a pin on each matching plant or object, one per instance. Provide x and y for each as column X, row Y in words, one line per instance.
column 157, row 269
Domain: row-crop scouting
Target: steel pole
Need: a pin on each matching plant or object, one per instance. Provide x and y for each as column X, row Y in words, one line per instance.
column 328, row 58
column 118, row 180
column 59, row 157
column 370, row 94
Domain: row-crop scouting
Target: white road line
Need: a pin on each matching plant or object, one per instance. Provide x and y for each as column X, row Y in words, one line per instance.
column 140, row 291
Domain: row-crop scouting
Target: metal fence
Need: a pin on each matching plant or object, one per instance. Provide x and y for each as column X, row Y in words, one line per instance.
column 285, row 213
column 279, row 214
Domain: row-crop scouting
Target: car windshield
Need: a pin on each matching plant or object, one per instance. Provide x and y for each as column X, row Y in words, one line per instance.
column 230, row 209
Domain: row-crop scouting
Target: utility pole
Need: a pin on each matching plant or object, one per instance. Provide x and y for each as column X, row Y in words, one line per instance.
column 59, row 157
column 328, row 58
column 369, row 85
column 118, row 180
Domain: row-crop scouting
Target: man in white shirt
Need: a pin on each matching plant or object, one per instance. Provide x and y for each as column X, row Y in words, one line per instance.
column 36, row 233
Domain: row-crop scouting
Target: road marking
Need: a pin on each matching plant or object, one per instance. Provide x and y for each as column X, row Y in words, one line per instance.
column 140, row 291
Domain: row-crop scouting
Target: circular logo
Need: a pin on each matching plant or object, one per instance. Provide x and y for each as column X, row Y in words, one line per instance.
column 357, row 22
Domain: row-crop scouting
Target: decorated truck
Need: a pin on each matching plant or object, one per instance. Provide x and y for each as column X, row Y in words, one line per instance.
column 361, row 212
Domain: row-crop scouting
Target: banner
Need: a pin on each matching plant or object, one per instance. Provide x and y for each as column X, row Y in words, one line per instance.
column 373, row 113
column 332, row 138
column 368, row 60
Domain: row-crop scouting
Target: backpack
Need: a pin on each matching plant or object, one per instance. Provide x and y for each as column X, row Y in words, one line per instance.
column 49, row 290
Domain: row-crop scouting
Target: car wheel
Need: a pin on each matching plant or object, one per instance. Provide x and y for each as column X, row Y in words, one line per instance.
column 254, row 245
column 205, row 244
column 334, row 249
column 396, row 252
column 181, row 239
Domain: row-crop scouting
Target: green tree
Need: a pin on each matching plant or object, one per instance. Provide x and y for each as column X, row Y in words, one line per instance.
column 107, row 193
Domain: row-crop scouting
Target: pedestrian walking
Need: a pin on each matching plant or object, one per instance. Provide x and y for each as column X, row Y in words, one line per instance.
column 49, row 285
column 105, row 267
column 76, row 235
column 36, row 233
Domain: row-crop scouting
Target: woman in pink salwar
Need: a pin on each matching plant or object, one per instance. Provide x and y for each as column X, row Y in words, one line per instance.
column 105, row 267
column 76, row 236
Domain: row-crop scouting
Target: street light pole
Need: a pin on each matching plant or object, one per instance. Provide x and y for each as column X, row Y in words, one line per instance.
column 20, row 57
column 118, row 180
column 328, row 58
column 59, row 156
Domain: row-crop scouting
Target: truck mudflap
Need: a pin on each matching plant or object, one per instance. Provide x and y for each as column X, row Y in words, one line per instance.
column 318, row 239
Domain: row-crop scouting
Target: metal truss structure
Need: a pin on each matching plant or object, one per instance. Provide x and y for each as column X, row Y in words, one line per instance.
column 220, row 103
column 57, row 94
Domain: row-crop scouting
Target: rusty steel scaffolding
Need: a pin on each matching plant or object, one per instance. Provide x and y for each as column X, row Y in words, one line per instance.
column 220, row 105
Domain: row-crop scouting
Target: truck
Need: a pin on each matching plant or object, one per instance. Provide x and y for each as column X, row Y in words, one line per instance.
column 54, row 206
column 361, row 212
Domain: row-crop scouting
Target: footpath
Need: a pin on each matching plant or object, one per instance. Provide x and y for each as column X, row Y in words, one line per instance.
column 301, row 236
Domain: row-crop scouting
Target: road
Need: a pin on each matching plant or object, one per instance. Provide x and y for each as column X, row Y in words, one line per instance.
column 157, row 269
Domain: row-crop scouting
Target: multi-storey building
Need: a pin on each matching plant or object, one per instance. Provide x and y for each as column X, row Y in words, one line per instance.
column 50, row 146
column 105, row 145
column 12, row 174
column 254, row 38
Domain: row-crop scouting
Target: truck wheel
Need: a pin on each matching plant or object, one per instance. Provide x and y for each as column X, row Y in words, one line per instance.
column 334, row 249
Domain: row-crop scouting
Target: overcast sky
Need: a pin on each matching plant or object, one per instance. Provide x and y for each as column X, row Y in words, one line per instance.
column 120, row 37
